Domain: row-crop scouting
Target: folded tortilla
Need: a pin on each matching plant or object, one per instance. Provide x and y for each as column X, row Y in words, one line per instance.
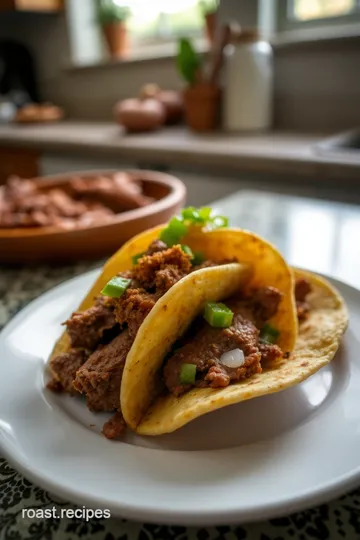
column 318, row 340
column 174, row 312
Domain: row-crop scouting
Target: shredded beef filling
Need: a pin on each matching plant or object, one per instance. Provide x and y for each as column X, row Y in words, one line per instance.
column 302, row 289
column 114, row 427
column 99, row 378
column 87, row 328
column 64, row 368
column 162, row 269
column 133, row 307
column 156, row 246
column 102, row 335
column 205, row 344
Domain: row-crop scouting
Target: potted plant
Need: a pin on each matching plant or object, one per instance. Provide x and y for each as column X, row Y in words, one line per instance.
column 201, row 97
column 112, row 18
column 209, row 9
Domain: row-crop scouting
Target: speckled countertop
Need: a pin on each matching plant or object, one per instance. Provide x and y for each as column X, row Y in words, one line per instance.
column 276, row 152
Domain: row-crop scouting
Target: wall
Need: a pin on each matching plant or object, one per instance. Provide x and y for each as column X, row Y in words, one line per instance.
column 316, row 85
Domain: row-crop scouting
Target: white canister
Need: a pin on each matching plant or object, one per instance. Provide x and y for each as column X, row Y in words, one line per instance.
column 248, row 84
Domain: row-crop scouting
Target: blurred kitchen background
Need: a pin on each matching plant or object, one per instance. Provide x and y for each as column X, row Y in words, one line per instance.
column 282, row 74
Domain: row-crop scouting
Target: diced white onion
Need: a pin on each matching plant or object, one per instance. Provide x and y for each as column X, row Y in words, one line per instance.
column 233, row 359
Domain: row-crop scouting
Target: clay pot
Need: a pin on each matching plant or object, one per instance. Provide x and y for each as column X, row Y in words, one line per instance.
column 210, row 26
column 139, row 115
column 202, row 104
column 116, row 39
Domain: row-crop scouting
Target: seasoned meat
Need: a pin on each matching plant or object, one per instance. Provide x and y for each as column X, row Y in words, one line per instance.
column 133, row 307
column 205, row 349
column 64, row 368
column 118, row 191
column 302, row 289
column 25, row 203
column 264, row 304
column 100, row 377
column 147, row 269
column 167, row 277
column 258, row 307
column 205, row 264
column 155, row 246
column 114, row 427
column 269, row 353
column 87, row 328
column 210, row 264
column 204, row 345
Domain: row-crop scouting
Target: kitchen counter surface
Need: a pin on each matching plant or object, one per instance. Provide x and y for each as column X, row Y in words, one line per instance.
column 277, row 152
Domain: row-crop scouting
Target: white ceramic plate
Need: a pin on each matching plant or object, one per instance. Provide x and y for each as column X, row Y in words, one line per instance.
column 265, row 457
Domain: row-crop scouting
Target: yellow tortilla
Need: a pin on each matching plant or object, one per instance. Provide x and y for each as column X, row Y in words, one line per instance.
column 174, row 311
column 318, row 340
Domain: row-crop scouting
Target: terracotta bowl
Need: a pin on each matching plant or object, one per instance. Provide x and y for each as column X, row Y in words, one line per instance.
column 52, row 244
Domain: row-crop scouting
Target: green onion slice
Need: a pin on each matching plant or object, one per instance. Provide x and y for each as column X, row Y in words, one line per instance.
column 116, row 287
column 186, row 249
column 218, row 315
column 191, row 213
column 175, row 230
column 135, row 258
column 178, row 225
column 188, row 374
column 205, row 213
column 219, row 222
column 269, row 333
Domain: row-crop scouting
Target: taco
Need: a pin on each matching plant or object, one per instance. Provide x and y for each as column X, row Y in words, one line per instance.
column 196, row 251
column 214, row 365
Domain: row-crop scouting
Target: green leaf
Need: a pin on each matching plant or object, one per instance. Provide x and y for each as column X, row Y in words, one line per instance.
column 108, row 12
column 208, row 6
column 188, row 61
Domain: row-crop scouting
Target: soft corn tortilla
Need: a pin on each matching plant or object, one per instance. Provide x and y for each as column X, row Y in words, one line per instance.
column 318, row 340
column 173, row 313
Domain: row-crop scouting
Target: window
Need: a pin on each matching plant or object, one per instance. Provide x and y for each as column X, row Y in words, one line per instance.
column 153, row 27
column 305, row 10
column 298, row 14
column 154, row 21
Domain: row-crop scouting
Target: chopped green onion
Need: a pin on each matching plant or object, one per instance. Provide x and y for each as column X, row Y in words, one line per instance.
column 116, row 287
column 198, row 258
column 188, row 374
column 175, row 230
column 177, row 226
column 205, row 213
column 135, row 258
column 196, row 215
column 191, row 214
column 269, row 334
column 187, row 250
column 168, row 237
column 219, row 222
column 218, row 315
